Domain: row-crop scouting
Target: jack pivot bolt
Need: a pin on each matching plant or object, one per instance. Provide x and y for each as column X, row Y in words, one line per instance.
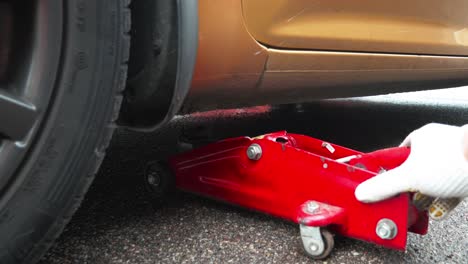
column 386, row 229
column 254, row 152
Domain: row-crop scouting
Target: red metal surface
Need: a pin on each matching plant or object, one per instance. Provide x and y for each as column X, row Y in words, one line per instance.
column 294, row 169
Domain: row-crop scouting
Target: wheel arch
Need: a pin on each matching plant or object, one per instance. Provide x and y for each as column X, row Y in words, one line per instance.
column 162, row 62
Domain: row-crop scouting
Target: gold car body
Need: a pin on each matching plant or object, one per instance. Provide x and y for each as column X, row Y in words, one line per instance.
column 281, row 51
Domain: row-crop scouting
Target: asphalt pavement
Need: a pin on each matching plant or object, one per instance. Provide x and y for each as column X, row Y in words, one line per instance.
column 119, row 222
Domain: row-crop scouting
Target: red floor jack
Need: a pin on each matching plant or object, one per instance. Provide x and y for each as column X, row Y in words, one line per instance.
column 304, row 180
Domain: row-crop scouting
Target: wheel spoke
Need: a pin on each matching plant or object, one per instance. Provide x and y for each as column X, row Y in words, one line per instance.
column 16, row 116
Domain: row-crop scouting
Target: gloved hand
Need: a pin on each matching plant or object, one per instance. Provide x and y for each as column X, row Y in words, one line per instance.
column 437, row 166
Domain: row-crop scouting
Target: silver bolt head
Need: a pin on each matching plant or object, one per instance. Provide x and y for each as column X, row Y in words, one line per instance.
column 312, row 207
column 386, row 229
column 254, row 152
column 314, row 248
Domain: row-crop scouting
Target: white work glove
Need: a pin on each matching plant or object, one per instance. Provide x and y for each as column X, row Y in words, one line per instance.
column 437, row 166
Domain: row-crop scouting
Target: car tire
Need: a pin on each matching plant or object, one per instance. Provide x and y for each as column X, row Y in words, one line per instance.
column 85, row 74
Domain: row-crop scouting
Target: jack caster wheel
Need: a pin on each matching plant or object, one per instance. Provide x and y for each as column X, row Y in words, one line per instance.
column 317, row 242
column 159, row 180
